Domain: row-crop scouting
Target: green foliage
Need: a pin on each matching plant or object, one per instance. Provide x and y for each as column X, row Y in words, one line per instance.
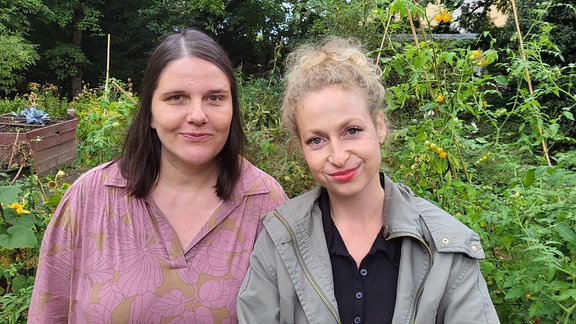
column 472, row 138
column 104, row 116
column 18, row 53
column 347, row 18
column 14, row 306
column 16, row 56
column 25, row 209
column 260, row 104
column 66, row 60
column 45, row 97
column 162, row 16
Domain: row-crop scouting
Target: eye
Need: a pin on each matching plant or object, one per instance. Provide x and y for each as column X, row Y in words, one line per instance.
column 314, row 141
column 353, row 130
column 215, row 98
column 176, row 99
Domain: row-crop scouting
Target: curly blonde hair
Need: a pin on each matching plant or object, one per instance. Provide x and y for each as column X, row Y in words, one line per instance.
column 335, row 61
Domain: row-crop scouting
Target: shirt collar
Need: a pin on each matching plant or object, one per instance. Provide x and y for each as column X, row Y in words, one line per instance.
column 334, row 240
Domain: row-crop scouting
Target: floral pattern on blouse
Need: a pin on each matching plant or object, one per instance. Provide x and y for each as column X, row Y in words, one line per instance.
column 110, row 258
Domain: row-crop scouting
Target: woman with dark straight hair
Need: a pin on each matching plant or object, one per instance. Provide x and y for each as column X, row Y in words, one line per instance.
column 140, row 162
column 164, row 232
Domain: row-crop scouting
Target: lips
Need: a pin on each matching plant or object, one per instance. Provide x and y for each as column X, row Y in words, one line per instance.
column 196, row 137
column 345, row 175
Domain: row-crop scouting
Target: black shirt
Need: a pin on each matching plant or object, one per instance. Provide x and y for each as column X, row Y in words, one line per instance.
column 368, row 294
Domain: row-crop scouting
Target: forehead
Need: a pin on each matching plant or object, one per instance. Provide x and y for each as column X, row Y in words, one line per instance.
column 331, row 106
column 192, row 70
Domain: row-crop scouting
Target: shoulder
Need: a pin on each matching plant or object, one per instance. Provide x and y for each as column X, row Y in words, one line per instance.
column 448, row 234
column 106, row 174
column 295, row 213
column 254, row 181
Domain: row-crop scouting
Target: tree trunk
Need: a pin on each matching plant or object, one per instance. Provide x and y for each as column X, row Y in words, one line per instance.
column 76, row 81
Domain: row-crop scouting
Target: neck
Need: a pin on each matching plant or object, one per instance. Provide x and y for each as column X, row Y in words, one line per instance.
column 193, row 179
column 363, row 208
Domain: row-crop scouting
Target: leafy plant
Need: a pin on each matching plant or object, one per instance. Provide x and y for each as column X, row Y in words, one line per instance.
column 474, row 139
column 25, row 208
column 33, row 115
column 104, row 119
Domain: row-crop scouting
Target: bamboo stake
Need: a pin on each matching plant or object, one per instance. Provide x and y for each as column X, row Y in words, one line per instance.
column 119, row 88
column 383, row 38
column 413, row 29
column 107, row 63
column 523, row 55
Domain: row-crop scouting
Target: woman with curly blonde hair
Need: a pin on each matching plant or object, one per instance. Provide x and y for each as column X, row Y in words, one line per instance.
column 358, row 248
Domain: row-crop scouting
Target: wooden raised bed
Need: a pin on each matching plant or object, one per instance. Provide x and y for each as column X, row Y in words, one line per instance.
column 42, row 147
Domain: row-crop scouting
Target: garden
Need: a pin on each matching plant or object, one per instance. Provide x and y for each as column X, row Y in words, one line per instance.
column 485, row 132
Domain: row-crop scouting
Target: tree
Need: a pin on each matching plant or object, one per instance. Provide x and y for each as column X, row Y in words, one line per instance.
column 62, row 50
column 18, row 54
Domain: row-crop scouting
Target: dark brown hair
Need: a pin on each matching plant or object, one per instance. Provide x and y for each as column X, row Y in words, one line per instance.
column 140, row 158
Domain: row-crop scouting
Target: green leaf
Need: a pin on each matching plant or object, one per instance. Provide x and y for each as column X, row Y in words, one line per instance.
column 23, row 219
column 18, row 236
column 501, row 80
column 9, row 194
column 530, row 177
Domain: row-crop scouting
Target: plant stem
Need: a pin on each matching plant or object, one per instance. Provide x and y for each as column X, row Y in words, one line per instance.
column 544, row 147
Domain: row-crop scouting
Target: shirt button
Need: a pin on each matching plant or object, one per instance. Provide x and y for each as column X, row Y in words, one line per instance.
column 445, row 240
column 363, row 272
column 474, row 248
column 357, row 320
column 359, row 295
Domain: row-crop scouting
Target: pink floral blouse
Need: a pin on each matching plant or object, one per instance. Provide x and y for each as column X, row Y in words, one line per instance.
column 110, row 258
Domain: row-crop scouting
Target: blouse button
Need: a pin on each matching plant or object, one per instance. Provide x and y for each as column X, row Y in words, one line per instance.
column 363, row 272
column 357, row 320
column 359, row 295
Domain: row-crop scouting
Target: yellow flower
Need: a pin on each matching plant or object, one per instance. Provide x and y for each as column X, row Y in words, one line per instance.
column 19, row 208
column 52, row 184
column 476, row 54
column 440, row 98
column 60, row 174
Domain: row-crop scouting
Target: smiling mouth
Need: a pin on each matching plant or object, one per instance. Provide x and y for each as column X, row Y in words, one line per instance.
column 345, row 175
column 196, row 136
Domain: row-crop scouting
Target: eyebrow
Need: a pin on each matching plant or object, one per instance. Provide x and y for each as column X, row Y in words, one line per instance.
column 219, row 91
column 209, row 92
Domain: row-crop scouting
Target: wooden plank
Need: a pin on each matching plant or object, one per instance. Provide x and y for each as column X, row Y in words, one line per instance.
column 50, row 146
column 51, row 158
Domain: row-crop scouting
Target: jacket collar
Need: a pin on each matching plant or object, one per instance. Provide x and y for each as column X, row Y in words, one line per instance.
column 400, row 216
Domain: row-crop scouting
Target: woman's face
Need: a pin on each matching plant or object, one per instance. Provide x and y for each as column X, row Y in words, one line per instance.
column 339, row 140
column 191, row 112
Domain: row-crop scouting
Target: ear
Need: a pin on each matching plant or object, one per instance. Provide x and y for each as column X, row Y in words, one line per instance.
column 381, row 127
column 152, row 123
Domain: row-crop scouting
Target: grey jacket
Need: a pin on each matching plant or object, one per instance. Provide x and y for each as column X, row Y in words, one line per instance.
column 290, row 275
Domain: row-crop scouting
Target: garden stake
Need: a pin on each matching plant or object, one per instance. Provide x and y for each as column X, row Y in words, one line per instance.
column 14, row 147
column 119, row 88
column 523, row 55
column 383, row 38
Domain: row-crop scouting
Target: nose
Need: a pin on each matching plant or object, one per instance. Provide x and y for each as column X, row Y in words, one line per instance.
column 338, row 154
column 196, row 114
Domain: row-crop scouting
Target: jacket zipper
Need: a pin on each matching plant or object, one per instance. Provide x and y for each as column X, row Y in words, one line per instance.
column 421, row 288
column 305, row 268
